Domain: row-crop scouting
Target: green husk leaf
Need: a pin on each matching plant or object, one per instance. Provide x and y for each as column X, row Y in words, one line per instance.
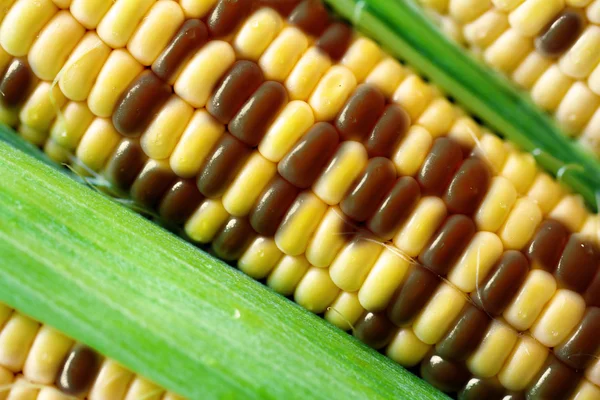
column 76, row 260
column 403, row 29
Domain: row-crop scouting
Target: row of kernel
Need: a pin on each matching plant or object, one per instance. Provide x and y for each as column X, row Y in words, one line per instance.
column 575, row 103
column 234, row 226
column 34, row 354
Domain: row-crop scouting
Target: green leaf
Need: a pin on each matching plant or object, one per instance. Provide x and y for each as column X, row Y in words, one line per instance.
column 402, row 28
column 105, row 276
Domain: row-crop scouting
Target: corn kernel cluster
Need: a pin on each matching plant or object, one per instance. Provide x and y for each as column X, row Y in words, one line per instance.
column 37, row 362
column 303, row 153
column 548, row 47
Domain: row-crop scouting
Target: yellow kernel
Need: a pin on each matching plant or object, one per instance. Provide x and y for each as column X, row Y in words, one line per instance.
column 351, row 266
column 121, row 20
column 439, row 314
column 344, row 311
column 521, row 224
column 523, row 364
column 493, row 351
column 281, row 56
column 382, row 281
column 561, row 315
column 316, row 291
column 260, row 258
column 257, row 33
column 307, row 73
column 412, row 151
column 331, row 92
column 287, row 274
column 22, row 24
column 420, row 226
column 361, row 57
column 406, row 348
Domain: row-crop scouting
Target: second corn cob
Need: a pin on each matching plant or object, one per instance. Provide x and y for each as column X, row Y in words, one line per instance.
column 234, row 181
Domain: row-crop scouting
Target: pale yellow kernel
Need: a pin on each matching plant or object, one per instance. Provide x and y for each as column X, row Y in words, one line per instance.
column 119, row 70
column 521, row 224
column 328, row 239
column 583, row 56
column 70, row 125
column 257, row 33
column 198, row 138
column 345, row 166
column 536, row 291
column 331, row 92
column 493, row 351
column 148, row 40
column 533, row 15
column 300, row 222
column 352, row 264
column 121, row 20
column 283, row 53
column 412, row 151
column 206, row 221
column 16, row 339
column 260, row 258
column 21, row 26
column 420, row 226
column 414, row 95
column 307, row 73
column 576, row 108
column 386, row 76
column 292, row 122
column 439, row 313
column 89, row 13
column 344, row 311
column 97, row 144
column 46, row 356
column 83, row 66
column 247, row 186
column 198, row 79
column 385, row 277
column 552, row 86
column 545, row 191
column 561, row 315
column 361, row 57
column 406, row 348
column 316, row 291
column 530, row 70
column 571, row 211
column 507, row 52
column 465, row 11
column 476, row 261
column 484, row 30
column 520, row 169
column 523, row 364
column 287, row 274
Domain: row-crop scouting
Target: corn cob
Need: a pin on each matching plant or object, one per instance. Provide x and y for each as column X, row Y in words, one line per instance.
column 319, row 163
column 547, row 47
column 38, row 362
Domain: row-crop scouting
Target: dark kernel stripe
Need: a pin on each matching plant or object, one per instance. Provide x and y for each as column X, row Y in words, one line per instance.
column 561, row 34
column 377, row 179
column 78, row 371
column 448, row 244
column 360, row 114
column 152, row 183
column 272, row 206
column 476, row 389
column 192, row 35
column 335, row 40
column 439, row 166
column 579, row 350
column 238, row 84
column 502, row 283
column 222, row 165
column 139, row 104
column 378, row 135
column 227, row 15
column 412, row 295
column 555, row 380
column 233, row 239
column 466, row 334
column 180, row 201
column 395, row 208
column 578, row 264
column 387, row 132
column 308, row 158
column 125, row 164
column 546, row 247
column 16, row 83
column 447, row 376
column 375, row 330
column 254, row 118
column 310, row 16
